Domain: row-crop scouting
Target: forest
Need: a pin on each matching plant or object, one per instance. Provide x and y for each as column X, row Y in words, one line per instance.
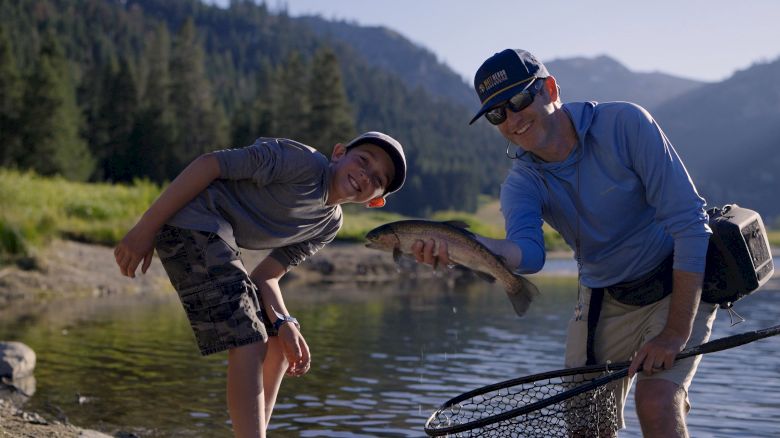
column 117, row 91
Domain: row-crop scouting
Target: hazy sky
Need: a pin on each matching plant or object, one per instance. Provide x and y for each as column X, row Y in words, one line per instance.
column 705, row 40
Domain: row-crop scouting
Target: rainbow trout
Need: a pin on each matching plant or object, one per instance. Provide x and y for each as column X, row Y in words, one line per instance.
column 463, row 248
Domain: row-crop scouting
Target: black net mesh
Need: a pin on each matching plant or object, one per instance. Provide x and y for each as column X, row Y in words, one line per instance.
column 590, row 414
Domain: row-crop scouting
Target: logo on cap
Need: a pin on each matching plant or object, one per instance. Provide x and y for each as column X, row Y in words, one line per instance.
column 493, row 80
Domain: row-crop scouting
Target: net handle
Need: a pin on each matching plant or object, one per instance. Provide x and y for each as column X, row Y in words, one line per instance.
column 616, row 371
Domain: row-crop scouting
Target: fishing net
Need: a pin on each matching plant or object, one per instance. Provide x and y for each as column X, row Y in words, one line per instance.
column 575, row 402
column 590, row 414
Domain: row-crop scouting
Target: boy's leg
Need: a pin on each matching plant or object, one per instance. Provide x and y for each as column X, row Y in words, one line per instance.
column 223, row 308
column 245, row 390
column 274, row 367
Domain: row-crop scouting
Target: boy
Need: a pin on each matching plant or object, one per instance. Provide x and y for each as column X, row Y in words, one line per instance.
column 276, row 194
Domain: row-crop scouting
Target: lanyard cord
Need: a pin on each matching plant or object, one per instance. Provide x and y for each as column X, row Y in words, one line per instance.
column 576, row 230
column 577, row 234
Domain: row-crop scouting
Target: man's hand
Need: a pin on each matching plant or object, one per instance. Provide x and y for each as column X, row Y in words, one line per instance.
column 295, row 350
column 658, row 354
column 136, row 246
column 426, row 252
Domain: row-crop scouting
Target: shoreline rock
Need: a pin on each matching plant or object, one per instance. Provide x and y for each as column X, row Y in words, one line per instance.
column 16, row 422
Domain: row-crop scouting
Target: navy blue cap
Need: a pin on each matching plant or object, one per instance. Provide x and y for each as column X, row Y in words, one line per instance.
column 503, row 75
column 393, row 149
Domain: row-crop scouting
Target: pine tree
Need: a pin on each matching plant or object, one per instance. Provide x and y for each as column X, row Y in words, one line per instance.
column 10, row 103
column 200, row 124
column 51, row 120
column 331, row 120
column 291, row 103
column 118, row 112
column 255, row 117
column 154, row 132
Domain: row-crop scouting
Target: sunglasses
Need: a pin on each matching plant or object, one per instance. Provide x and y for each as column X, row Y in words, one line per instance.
column 516, row 103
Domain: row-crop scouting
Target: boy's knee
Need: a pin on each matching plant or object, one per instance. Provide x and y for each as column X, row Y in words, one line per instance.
column 254, row 352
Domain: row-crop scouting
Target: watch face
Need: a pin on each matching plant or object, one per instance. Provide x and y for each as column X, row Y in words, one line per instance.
column 285, row 319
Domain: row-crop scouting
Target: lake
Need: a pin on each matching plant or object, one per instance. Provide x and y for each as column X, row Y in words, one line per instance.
column 384, row 356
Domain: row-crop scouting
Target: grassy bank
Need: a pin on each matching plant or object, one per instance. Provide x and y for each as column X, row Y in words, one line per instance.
column 36, row 209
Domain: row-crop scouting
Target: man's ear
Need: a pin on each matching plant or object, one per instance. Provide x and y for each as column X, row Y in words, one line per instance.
column 338, row 151
column 378, row 202
column 552, row 88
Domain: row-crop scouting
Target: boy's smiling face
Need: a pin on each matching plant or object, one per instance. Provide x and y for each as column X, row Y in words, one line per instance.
column 359, row 174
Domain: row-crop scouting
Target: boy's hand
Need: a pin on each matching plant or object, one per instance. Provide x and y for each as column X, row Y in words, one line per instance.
column 295, row 350
column 136, row 246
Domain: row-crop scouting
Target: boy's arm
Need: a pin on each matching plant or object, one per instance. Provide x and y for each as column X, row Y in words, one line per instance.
column 266, row 276
column 138, row 244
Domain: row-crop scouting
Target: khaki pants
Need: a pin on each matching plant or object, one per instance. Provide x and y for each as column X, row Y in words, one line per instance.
column 623, row 329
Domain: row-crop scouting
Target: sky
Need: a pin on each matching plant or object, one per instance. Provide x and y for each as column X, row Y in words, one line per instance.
column 703, row 40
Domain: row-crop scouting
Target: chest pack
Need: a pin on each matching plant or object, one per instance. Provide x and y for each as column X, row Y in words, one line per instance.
column 739, row 258
column 739, row 261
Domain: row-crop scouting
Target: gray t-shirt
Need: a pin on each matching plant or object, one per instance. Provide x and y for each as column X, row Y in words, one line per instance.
column 270, row 195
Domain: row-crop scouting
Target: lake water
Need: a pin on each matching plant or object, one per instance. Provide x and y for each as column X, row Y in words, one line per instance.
column 384, row 356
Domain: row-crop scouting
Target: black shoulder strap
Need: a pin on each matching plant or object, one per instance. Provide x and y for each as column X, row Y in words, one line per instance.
column 594, row 312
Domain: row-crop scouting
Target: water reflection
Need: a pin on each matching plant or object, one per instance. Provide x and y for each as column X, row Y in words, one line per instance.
column 383, row 358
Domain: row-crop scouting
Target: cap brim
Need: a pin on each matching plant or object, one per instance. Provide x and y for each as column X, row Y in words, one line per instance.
column 503, row 96
column 479, row 114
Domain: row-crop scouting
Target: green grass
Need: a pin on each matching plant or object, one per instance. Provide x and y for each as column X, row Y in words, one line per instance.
column 359, row 220
column 36, row 209
column 774, row 238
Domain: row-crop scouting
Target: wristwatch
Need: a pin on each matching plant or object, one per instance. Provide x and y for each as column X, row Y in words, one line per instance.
column 284, row 319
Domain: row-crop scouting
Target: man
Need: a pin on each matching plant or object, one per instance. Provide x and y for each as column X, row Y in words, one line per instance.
column 609, row 181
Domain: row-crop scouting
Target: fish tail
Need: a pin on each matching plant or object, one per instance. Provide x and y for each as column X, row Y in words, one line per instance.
column 520, row 293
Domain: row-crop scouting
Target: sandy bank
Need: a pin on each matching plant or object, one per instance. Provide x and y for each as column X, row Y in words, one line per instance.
column 68, row 268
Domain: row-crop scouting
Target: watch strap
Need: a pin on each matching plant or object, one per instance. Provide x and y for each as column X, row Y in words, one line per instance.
column 284, row 319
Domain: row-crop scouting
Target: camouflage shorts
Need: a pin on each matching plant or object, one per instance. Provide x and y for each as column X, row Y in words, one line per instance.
column 220, row 299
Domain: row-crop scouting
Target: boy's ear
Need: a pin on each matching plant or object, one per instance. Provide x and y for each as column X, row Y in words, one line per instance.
column 338, row 151
column 378, row 202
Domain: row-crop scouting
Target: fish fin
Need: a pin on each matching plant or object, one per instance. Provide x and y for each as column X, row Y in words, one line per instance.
column 462, row 227
column 457, row 223
column 485, row 276
column 397, row 254
column 521, row 293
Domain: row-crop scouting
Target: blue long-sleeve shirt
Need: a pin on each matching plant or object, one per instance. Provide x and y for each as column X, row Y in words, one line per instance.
column 623, row 192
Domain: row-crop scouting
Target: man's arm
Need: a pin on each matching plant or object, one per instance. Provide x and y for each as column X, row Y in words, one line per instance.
column 508, row 250
column 138, row 244
column 435, row 253
column 660, row 352
column 266, row 276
